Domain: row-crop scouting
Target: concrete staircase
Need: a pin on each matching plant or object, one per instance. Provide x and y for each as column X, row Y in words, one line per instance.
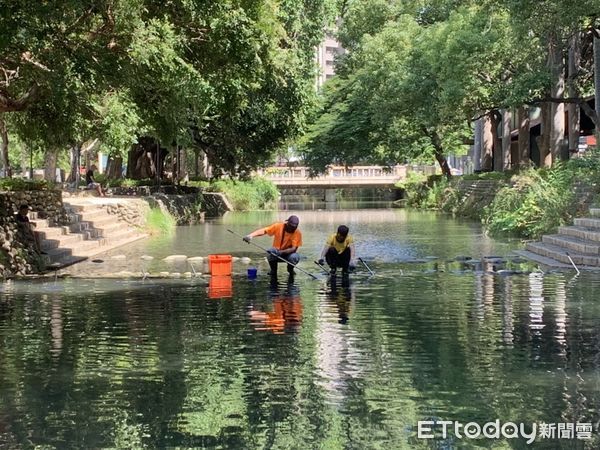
column 580, row 242
column 91, row 231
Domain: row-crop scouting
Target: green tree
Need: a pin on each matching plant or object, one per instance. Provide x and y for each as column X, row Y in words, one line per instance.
column 233, row 79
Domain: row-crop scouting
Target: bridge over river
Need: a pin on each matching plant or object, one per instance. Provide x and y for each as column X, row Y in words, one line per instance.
column 336, row 176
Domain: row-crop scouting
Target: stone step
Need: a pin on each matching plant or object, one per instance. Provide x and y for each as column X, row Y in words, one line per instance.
column 106, row 230
column 72, row 209
column 65, row 240
column 100, row 221
column 560, row 254
column 588, row 223
column 63, row 262
column 57, row 258
column 87, row 215
column 55, row 255
column 82, row 246
column 572, row 244
column 595, row 212
column 580, row 232
column 50, row 232
column 79, row 227
column 40, row 223
column 91, row 231
column 123, row 233
column 550, row 262
column 86, row 207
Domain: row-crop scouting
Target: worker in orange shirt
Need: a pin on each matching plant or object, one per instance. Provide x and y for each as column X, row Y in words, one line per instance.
column 286, row 241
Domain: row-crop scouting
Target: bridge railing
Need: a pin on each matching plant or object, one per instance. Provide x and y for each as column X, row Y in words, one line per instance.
column 356, row 173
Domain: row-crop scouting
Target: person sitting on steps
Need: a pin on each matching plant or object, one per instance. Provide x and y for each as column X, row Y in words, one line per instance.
column 91, row 182
column 28, row 228
column 286, row 241
column 339, row 251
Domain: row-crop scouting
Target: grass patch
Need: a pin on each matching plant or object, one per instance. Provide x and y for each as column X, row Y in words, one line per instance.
column 252, row 195
column 159, row 222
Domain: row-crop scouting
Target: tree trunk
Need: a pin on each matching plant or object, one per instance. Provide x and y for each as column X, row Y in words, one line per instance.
column 597, row 84
column 50, row 158
column 114, row 168
column 25, row 160
column 477, row 145
column 74, row 161
column 196, row 162
column 557, row 110
column 183, row 162
column 86, row 151
column 142, row 160
column 205, row 170
column 4, row 149
column 572, row 92
column 506, row 140
column 440, row 157
column 487, row 143
column 443, row 162
column 544, row 140
column 524, row 137
column 498, row 154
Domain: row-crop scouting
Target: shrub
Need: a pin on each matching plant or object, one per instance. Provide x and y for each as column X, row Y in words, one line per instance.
column 22, row 184
column 538, row 202
column 255, row 194
column 426, row 192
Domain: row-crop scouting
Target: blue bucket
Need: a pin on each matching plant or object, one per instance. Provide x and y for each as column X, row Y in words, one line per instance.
column 252, row 273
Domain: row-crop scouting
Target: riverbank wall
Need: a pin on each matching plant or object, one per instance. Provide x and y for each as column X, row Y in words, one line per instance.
column 18, row 255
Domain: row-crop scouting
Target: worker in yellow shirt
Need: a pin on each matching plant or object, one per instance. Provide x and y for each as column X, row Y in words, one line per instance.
column 339, row 251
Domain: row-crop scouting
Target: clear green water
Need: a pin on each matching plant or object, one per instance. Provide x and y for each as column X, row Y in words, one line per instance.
column 97, row 363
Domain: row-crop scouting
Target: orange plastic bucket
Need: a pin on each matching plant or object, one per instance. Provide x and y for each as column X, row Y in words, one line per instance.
column 219, row 265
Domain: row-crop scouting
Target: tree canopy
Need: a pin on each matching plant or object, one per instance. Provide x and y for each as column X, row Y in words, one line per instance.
column 232, row 78
column 419, row 72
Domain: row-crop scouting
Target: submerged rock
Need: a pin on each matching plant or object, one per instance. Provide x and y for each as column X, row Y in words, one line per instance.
column 172, row 258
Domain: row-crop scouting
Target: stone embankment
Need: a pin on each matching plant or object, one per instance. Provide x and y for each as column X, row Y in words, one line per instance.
column 577, row 244
column 94, row 225
column 18, row 255
column 83, row 225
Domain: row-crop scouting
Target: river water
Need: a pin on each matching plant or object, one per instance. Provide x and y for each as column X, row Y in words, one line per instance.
column 333, row 364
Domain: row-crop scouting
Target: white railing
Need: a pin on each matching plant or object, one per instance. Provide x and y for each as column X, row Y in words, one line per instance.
column 335, row 175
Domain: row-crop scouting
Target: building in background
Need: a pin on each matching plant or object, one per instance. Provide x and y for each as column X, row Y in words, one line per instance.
column 325, row 58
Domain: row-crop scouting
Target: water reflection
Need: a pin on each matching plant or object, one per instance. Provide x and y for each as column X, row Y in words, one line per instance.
column 507, row 313
column 536, row 303
column 340, row 362
column 339, row 293
column 284, row 313
column 353, row 363
column 56, row 325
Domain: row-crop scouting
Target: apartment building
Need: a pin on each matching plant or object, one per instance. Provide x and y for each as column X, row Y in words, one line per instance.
column 325, row 56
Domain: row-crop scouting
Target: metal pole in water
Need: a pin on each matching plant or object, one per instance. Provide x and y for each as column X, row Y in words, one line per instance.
column 365, row 264
column 322, row 268
column 572, row 263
